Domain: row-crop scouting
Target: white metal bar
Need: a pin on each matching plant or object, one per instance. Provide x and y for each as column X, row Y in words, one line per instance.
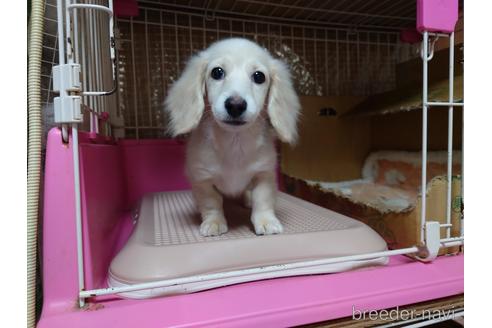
column 99, row 66
column 177, row 43
column 90, row 6
column 78, row 210
column 304, row 44
column 85, row 69
column 68, row 33
column 112, row 39
column 61, row 34
column 450, row 132
column 147, row 66
column 61, row 54
column 438, row 34
column 424, row 138
column 243, row 272
column 91, row 53
column 444, row 104
column 134, row 76
column 102, row 58
column 452, row 239
column 163, row 54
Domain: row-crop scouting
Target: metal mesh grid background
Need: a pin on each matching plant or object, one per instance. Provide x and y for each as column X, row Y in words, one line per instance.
column 348, row 48
column 368, row 14
column 155, row 46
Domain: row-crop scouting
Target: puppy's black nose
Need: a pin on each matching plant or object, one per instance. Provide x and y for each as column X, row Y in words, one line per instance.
column 235, row 106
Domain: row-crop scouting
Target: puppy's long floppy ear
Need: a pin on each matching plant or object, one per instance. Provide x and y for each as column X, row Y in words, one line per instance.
column 283, row 103
column 184, row 102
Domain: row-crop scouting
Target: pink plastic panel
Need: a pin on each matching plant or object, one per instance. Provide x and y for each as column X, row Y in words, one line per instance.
column 103, row 203
column 152, row 166
column 125, row 8
column 283, row 302
column 114, row 177
column 59, row 259
column 437, row 15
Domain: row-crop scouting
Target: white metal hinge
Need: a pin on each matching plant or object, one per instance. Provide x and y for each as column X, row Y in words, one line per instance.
column 66, row 77
column 68, row 109
column 66, row 81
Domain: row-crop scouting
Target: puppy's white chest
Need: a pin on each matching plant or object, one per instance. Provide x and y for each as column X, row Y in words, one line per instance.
column 235, row 171
column 231, row 182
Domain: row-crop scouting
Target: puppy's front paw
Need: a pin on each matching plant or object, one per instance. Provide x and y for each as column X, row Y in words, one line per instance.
column 267, row 225
column 213, row 227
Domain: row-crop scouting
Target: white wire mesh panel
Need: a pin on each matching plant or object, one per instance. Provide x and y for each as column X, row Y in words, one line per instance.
column 155, row 46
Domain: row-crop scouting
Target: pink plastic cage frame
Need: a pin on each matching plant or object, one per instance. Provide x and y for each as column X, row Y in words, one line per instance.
column 114, row 176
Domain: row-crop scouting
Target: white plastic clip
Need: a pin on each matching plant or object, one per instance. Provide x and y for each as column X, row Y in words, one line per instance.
column 428, row 252
column 66, row 77
column 68, row 109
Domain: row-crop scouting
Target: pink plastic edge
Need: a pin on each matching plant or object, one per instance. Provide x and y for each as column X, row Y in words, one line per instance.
column 437, row 15
column 276, row 302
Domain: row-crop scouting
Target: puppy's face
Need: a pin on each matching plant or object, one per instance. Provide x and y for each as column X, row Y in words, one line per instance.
column 237, row 83
column 237, row 78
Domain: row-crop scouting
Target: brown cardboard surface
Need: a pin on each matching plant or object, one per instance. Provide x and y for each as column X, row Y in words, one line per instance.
column 329, row 148
column 402, row 131
column 400, row 229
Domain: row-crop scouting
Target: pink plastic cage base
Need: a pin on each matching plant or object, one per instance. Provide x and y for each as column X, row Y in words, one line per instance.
column 437, row 15
column 114, row 177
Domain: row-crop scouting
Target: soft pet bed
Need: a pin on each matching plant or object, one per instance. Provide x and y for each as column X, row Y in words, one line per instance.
column 166, row 244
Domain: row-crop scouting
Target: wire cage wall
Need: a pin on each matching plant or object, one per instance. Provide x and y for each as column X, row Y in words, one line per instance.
column 153, row 48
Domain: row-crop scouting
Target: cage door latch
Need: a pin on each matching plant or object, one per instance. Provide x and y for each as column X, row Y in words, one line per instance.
column 429, row 250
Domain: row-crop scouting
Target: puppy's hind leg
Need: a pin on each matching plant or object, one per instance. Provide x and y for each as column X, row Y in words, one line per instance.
column 263, row 198
column 209, row 202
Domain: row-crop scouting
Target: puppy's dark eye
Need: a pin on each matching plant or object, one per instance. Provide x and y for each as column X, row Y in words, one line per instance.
column 218, row 73
column 258, row 77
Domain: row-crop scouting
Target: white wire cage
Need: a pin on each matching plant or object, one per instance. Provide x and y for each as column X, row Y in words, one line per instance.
column 354, row 53
column 155, row 46
column 332, row 58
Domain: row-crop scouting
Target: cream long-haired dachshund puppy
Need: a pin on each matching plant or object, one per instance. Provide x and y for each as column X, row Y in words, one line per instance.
column 230, row 96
